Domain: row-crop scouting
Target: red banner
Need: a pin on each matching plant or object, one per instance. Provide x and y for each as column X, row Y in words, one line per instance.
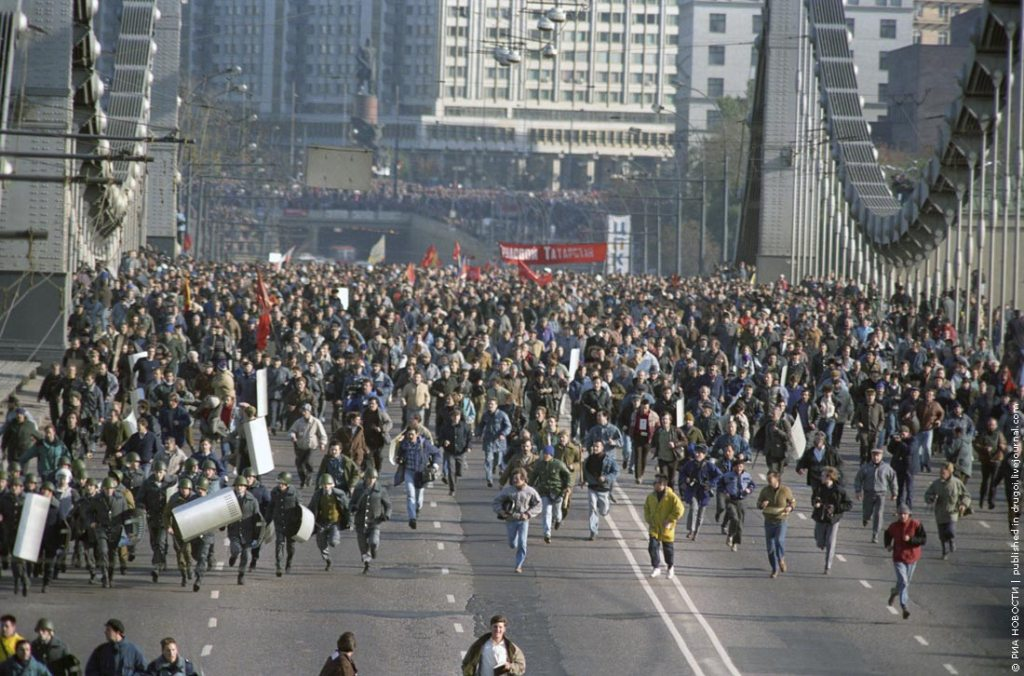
column 553, row 254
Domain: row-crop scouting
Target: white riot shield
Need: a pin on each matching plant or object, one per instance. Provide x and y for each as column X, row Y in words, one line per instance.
column 30, row 528
column 305, row 526
column 574, row 362
column 208, row 513
column 262, row 394
column 258, row 441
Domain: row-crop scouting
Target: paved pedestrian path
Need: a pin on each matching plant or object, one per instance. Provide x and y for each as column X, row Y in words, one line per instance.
column 14, row 375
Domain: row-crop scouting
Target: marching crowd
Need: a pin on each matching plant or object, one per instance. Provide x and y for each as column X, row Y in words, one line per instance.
column 567, row 389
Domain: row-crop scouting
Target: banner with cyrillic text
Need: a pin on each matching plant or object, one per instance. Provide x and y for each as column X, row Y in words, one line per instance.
column 554, row 254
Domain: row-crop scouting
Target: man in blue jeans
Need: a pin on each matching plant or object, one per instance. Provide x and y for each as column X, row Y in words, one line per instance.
column 516, row 504
column 599, row 473
column 416, row 455
column 495, row 427
column 776, row 503
column 904, row 538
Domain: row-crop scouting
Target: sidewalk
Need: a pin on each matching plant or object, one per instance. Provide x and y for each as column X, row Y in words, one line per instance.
column 14, row 375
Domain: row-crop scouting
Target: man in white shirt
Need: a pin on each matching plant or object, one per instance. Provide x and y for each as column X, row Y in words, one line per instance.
column 492, row 654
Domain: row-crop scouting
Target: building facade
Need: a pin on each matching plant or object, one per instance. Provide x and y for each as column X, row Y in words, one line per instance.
column 878, row 29
column 579, row 102
column 717, row 57
column 932, row 19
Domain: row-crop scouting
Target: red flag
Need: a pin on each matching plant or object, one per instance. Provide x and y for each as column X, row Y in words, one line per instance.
column 430, row 257
column 262, row 298
column 472, row 272
column 262, row 331
column 410, row 274
column 526, row 273
column 186, row 242
column 457, row 253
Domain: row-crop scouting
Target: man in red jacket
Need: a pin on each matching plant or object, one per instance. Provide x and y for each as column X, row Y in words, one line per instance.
column 904, row 538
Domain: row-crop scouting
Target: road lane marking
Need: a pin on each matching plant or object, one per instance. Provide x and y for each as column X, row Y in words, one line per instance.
column 719, row 648
column 212, row 624
column 951, row 669
column 207, row 649
column 433, row 504
column 801, row 516
column 892, row 611
column 865, row 584
column 762, row 477
column 227, row 542
column 463, row 653
column 841, row 558
column 219, row 565
column 655, row 601
column 437, row 524
column 459, row 629
column 921, row 640
column 983, row 524
column 451, row 598
column 444, row 571
column 440, row 546
column 215, row 594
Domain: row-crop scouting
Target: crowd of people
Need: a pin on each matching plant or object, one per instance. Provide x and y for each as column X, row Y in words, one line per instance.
column 568, row 387
column 571, row 214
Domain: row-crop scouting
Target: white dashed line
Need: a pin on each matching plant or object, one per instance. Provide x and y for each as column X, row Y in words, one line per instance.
column 458, row 628
column 227, row 542
column 950, row 668
column 802, row 516
column 655, row 601
column 719, row 648
column 892, row 611
column 762, row 477
column 437, row 524
column 451, row 598
column 207, row 649
column 440, row 546
column 444, row 571
column 433, row 504
column 212, row 624
column 841, row 558
column 983, row 524
column 921, row 640
column 219, row 565
column 215, row 594
column 865, row 584
column 463, row 653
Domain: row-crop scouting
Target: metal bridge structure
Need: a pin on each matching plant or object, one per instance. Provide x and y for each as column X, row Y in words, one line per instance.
column 818, row 204
column 81, row 177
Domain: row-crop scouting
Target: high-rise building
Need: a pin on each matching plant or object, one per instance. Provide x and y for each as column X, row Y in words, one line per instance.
column 717, row 57
column 878, row 28
column 572, row 105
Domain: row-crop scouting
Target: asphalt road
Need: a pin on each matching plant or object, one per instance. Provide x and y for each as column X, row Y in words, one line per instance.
column 580, row 607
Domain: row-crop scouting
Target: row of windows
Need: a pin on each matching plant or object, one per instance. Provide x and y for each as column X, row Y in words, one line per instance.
column 877, row 3
column 886, row 28
column 717, row 23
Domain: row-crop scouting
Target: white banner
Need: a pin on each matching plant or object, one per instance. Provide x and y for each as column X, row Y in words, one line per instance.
column 619, row 244
column 680, row 412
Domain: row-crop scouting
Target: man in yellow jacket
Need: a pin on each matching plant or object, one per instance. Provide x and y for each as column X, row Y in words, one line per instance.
column 661, row 511
column 9, row 637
